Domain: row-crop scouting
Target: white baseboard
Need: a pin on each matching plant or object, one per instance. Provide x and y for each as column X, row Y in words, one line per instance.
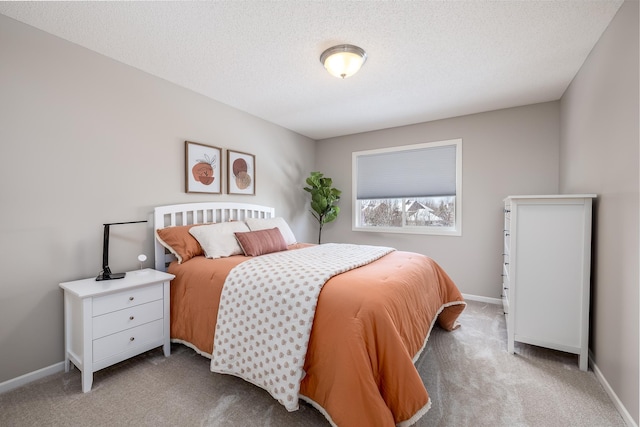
column 482, row 299
column 612, row 395
column 30, row 377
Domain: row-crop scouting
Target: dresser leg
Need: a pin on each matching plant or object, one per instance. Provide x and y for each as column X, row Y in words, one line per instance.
column 583, row 362
column 87, row 381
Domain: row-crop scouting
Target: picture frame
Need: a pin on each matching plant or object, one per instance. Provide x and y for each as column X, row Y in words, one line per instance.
column 203, row 166
column 241, row 173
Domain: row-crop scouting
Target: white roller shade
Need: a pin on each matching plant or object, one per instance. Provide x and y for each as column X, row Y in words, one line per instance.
column 420, row 172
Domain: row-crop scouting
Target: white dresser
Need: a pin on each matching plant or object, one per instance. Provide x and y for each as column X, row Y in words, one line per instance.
column 546, row 272
column 109, row 321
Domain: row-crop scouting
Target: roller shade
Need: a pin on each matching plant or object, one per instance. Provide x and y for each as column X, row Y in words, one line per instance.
column 421, row 172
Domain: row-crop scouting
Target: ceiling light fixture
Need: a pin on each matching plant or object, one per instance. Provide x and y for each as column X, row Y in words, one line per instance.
column 343, row 60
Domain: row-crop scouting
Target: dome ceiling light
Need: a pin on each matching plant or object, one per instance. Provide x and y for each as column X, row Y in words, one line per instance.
column 343, row 60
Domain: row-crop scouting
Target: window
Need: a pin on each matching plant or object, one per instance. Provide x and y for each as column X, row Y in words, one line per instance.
column 409, row 189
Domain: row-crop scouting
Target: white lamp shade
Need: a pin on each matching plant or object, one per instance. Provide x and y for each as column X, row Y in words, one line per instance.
column 343, row 61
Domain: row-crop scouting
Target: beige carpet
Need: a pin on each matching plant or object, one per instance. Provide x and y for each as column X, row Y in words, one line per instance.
column 470, row 377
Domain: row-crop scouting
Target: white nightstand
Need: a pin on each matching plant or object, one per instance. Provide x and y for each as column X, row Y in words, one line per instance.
column 109, row 321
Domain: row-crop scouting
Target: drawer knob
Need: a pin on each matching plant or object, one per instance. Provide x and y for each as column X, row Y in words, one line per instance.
column 131, row 339
column 130, row 298
column 130, row 317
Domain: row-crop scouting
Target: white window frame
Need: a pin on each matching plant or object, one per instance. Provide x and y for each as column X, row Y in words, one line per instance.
column 456, row 230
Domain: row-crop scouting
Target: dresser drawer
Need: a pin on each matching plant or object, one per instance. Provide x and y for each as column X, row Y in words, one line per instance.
column 128, row 298
column 127, row 318
column 126, row 340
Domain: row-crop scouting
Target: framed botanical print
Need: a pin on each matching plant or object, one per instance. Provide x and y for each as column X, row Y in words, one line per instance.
column 241, row 171
column 203, row 164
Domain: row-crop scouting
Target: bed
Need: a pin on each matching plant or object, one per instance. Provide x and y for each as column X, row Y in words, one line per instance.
column 369, row 321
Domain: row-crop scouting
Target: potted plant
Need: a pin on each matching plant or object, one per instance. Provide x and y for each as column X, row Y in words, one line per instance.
column 323, row 199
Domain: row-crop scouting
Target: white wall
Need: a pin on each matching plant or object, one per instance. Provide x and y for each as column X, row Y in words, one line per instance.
column 600, row 153
column 86, row 140
column 505, row 152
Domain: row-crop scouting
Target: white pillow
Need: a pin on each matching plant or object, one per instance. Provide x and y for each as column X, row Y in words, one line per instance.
column 218, row 240
column 266, row 223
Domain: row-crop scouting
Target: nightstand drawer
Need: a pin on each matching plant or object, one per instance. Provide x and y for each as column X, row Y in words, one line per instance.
column 127, row 318
column 126, row 340
column 129, row 298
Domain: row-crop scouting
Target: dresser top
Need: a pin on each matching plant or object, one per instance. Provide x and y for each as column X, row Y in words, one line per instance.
column 553, row 196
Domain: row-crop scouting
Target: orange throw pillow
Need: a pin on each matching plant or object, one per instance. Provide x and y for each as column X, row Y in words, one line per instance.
column 179, row 242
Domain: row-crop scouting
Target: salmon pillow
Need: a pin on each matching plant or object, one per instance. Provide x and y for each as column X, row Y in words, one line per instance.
column 179, row 242
column 261, row 242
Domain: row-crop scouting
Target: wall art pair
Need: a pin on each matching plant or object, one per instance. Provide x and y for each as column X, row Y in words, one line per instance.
column 203, row 168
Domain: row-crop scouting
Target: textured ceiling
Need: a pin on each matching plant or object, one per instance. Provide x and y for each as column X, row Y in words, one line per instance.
column 427, row 60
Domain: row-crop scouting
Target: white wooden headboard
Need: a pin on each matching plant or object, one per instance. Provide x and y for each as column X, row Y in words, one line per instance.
column 200, row 213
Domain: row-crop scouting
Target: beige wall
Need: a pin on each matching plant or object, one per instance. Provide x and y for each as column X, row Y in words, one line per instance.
column 599, row 153
column 505, row 152
column 85, row 140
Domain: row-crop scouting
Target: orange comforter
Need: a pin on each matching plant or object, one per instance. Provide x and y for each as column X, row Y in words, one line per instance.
column 369, row 327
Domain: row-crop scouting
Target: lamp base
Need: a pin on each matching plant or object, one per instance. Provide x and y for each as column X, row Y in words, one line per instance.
column 110, row 276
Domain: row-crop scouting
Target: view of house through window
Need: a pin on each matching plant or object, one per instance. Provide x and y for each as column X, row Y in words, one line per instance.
column 409, row 189
column 424, row 211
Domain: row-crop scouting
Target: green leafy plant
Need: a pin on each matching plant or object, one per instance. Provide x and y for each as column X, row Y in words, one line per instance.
column 323, row 199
